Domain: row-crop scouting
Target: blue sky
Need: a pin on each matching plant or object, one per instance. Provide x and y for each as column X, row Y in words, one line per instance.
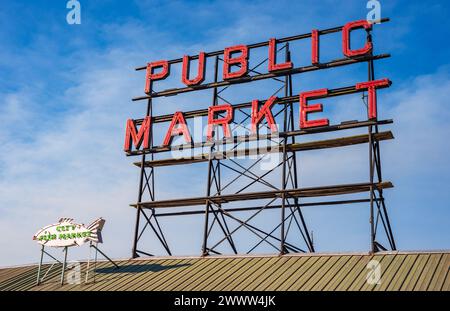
column 65, row 93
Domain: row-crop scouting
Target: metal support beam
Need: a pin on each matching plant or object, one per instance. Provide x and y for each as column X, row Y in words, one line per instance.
column 63, row 270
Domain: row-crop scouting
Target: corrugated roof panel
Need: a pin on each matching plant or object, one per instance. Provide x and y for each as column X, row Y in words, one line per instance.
column 446, row 286
column 156, row 283
column 299, row 273
column 262, row 283
column 316, row 277
column 95, row 280
column 414, row 275
column 342, row 273
column 216, row 274
column 428, row 271
column 245, row 279
column 326, row 279
column 303, row 278
column 169, row 270
column 196, row 268
column 202, row 275
column 8, row 274
column 13, row 277
column 215, row 283
column 29, row 278
column 53, row 279
column 391, row 272
column 353, row 274
column 360, row 277
column 233, row 273
column 231, row 280
column 135, row 273
column 401, row 274
column 405, row 271
column 385, row 262
column 291, row 270
column 155, row 269
column 271, row 274
column 439, row 275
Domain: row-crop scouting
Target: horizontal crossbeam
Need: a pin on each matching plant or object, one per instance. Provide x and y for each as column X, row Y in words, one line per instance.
column 295, row 193
column 313, row 145
column 347, row 90
column 265, row 43
column 252, row 208
column 244, row 138
column 264, row 76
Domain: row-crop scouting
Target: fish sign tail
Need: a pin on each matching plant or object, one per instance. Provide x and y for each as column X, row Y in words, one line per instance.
column 96, row 230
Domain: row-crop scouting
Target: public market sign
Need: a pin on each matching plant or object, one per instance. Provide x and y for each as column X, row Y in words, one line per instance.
column 235, row 70
column 67, row 233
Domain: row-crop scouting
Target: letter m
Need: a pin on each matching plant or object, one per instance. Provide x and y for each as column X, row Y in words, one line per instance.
column 136, row 137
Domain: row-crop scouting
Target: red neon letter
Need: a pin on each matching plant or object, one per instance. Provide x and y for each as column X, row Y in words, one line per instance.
column 264, row 112
column 305, row 109
column 371, row 87
column 178, row 119
column 346, row 30
column 241, row 60
column 224, row 122
column 200, row 72
column 273, row 58
column 150, row 76
column 315, row 47
column 137, row 138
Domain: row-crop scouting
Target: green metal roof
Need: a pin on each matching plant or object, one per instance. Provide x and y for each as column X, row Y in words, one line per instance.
column 399, row 271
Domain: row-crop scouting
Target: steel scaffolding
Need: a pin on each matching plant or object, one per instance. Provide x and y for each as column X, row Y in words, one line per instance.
column 285, row 195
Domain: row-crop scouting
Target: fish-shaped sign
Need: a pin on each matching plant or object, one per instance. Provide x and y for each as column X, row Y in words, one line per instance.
column 68, row 233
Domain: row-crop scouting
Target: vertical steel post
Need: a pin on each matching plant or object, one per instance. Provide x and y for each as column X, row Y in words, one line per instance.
column 378, row 163
column 372, row 224
column 88, row 262
column 40, row 266
column 95, row 263
column 283, row 173
column 64, row 265
column 373, row 249
column 141, row 185
column 210, row 167
column 308, row 240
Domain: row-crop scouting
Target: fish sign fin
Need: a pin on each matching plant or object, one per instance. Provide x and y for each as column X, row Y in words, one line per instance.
column 96, row 229
column 65, row 219
column 99, row 237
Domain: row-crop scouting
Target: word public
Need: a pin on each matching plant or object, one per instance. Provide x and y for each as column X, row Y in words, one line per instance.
column 237, row 57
